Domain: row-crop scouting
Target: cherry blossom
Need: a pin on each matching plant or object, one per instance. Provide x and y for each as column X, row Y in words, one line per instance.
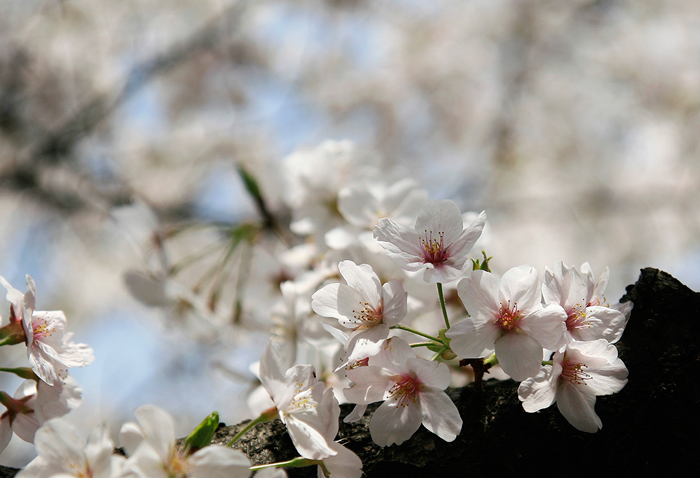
column 507, row 317
column 438, row 244
column 580, row 372
column 413, row 393
column 363, row 305
column 33, row 404
column 48, row 346
column 303, row 404
column 62, row 453
column 153, row 453
column 587, row 319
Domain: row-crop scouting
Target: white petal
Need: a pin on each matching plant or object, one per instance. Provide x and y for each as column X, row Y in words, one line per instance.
column 303, row 428
column 538, row 392
column 392, row 423
column 440, row 414
column 219, row 462
column 480, row 292
column 363, row 279
column 519, row 354
column 440, row 216
column 578, row 408
column 6, row 432
column 474, row 336
column 431, row 374
column 609, row 326
column 394, row 299
column 345, row 464
column 58, row 442
column 130, row 437
column 158, row 428
column 98, row 451
column 370, row 384
column 546, row 325
column 519, row 286
column 401, row 243
column 25, row 426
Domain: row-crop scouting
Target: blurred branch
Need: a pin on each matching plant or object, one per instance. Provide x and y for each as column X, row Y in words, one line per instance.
column 56, row 148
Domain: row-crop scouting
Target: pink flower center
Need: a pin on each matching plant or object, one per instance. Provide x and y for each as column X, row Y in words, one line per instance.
column 40, row 328
column 368, row 316
column 573, row 372
column 405, row 390
column 434, row 250
column 508, row 318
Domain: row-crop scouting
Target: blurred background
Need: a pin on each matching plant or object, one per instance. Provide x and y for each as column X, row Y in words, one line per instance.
column 574, row 124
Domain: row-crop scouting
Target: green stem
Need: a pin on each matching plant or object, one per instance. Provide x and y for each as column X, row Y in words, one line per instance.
column 408, row 329
column 422, row 344
column 23, row 372
column 293, row 463
column 442, row 304
column 266, row 416
column 491, row 361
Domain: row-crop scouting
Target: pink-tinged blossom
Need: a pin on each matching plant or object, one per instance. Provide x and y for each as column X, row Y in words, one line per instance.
column 303, row 404
column 62, row 453
column 153, row 453
column 596, row 291
column 413, row 393
column 438, row 244
column 33, row 405
column 587, row 317
column 579, row 372
column 48, row 346
column 364, row 306
column 507, row 318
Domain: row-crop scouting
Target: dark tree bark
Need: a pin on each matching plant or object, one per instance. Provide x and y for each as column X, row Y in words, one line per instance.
column 648, row 428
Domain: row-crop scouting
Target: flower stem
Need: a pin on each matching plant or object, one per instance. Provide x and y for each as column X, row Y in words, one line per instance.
column 408, row 329
column 293, row 463
column 422, row 344
column 266, row 416
column 442, row 304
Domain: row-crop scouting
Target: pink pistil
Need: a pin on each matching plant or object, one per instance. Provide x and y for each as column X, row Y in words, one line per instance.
column 434, row 251
column 406, row 388
column 508, row 319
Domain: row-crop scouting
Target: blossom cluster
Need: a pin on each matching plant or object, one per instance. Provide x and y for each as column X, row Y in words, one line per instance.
column 48, row 391
column 374, row 293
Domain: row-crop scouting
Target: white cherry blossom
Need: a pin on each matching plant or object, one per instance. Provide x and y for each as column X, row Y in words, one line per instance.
column 587, row 318
column 153, row 453
column 302, row 402
column 507, row 317
column 438, row 244
column 580, row 372
column 365, row 306
column 62, row 453
column 33, row 404
column 413, row 393
column 48, row 345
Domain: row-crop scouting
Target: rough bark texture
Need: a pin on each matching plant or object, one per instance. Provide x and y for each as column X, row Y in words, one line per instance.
column 647, row 427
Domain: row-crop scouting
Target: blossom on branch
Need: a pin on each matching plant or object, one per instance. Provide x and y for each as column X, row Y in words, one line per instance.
column 438, row 244
column 63, row 454
column 579, row 372
column 153, row 453
column 507, row 317
column 304, row 405
column 413, row 393
column 587, row 318
column 363, row 305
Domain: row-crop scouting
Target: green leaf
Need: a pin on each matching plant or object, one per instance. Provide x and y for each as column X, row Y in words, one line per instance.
column 201, row 436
